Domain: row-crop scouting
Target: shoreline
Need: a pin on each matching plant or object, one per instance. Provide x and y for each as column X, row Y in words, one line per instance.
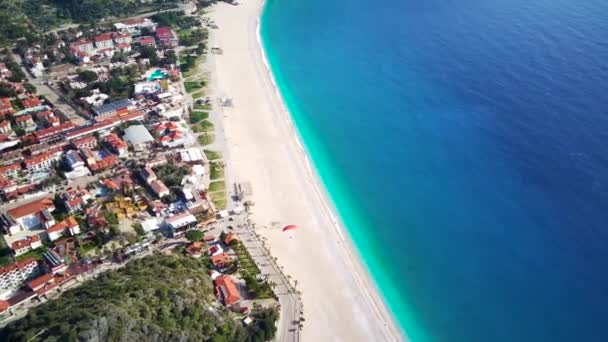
column 376, row 299
column 379, row 321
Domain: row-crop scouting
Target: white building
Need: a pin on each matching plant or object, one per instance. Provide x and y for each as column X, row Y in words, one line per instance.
column 181, row 220
column 14, row 275
column 34, row 214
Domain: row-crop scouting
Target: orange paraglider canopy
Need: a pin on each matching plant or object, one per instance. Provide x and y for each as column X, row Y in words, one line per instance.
column 290, row 227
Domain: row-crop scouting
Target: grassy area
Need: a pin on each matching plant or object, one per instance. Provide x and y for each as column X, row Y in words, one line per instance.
column 206, row 138
column 5, row 252
column 190, row 67
column 249, row 270
column 36, row 254
column 197, row 116
column 192, row 86
column 202, row 106
column 203, row 126
column 206, row 126
column 219, row 199
column 217, row 171
column 198, row 94
column 213, row 155
column 217, row 186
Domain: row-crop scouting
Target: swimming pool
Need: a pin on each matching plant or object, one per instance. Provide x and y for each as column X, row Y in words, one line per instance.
column 157, row 74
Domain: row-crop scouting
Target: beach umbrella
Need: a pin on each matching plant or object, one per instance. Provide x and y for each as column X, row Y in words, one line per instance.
column 290, row 227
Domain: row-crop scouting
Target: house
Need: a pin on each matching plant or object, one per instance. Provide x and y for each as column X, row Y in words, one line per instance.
column 194, row 249
column 166, row 37
column 75, row 200
column 114, row 108
column 52, row 132
column 10, row 169
column 181, row 221
column 6, row 108
column 122, row 38
column 34, row 214
column 41, row 282
column 117, row 145
column 104, row 41
column 47, row 117
column 83, row 46
column 87, row 141
column 105, row 163
column 231, row 238
column 41, row 162
column 25, row 121
column 72, row 160
column 67, row 226
column 23, row 246
column 123, row 47
column 221, row 260
column 147, row 41
column 215, row 250
column 159, row 188
column 226, row 290
column 14, row 275
column 138, row 136
column 5, row 127
column 31, row 102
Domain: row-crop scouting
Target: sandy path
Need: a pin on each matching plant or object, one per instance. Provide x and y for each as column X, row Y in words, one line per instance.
column 340, row 301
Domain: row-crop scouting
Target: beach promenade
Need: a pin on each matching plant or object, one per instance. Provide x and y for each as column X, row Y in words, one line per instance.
column 340, row 302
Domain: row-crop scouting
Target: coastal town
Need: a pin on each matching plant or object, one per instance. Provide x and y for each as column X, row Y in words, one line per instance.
column 108, row 154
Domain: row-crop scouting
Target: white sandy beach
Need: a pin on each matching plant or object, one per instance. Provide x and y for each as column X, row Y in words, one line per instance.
column 341, row 302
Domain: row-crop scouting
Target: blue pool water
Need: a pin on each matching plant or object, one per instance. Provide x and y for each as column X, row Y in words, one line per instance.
column 157, row 75
column 464, row 144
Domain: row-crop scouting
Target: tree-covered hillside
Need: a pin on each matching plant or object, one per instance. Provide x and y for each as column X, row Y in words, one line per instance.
column 157, row 298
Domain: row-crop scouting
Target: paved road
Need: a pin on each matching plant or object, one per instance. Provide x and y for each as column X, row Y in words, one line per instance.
column 291, row 305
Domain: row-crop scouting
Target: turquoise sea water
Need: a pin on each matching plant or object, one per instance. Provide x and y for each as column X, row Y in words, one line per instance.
column 464, row 146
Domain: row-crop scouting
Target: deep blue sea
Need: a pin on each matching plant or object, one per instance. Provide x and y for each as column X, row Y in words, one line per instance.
column 465, row 146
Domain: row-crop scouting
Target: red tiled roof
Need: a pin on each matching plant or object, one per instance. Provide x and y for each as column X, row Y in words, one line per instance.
column 164, row 33
column 4, row 305
column 121, row 35
column 230, row 237
column 123, row 46
column 86, row 140
column 17, row 265
column 58, row 227
column 31, row 208
column 5, row 103
column 147, row 40
column 25, row 242
column 31, row 102
column 81, row 42
column 52, row 131
column 115, row 141
column 227, row 289
column 36, row 283
column 39, row 159
column 103, row 37
column 220, row 259
column 9, row 168
column 104, row 163
column 4, row 123
column 23, row 118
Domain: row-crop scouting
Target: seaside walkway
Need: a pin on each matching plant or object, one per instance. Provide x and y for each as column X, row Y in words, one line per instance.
column 289, row 327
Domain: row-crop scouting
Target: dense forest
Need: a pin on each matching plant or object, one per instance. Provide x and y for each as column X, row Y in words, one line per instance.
column 22, row 18
column 157, row 298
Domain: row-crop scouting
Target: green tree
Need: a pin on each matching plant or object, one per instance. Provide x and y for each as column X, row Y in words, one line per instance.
column 194, row 235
